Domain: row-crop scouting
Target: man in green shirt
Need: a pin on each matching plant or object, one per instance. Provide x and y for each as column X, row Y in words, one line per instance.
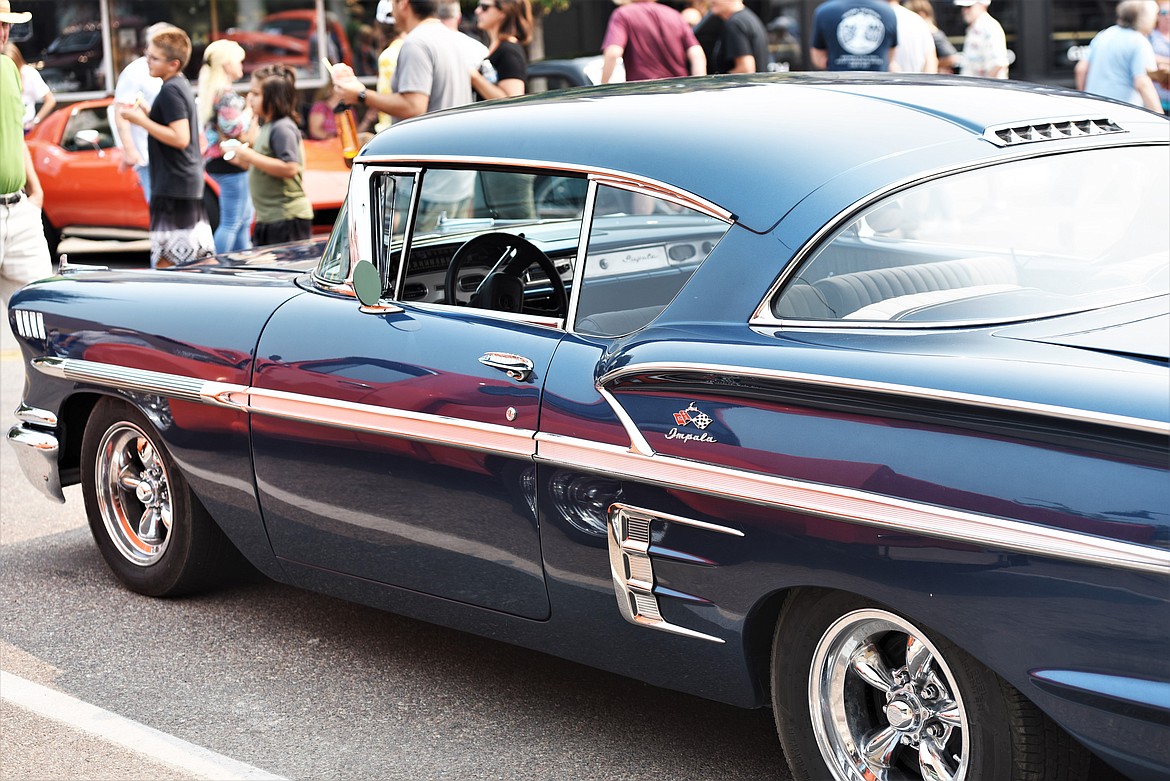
column 24, row 253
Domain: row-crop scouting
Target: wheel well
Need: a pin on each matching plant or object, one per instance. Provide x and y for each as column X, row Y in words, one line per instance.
column 74, row 415
column 760, row 631
column 758, row 634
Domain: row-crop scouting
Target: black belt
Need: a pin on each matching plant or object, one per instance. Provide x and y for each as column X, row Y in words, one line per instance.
column 11, row 198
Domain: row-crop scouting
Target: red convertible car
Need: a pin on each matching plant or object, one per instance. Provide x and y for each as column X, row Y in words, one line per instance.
column 86, row 193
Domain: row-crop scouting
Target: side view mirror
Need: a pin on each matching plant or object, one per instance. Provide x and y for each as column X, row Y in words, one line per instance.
column 367, row 283
column 367, row 286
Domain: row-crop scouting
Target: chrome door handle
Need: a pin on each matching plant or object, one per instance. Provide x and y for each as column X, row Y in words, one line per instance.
column 515, row 366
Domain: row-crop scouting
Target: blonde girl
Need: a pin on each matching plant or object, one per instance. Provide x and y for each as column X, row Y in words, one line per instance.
column 223, row 115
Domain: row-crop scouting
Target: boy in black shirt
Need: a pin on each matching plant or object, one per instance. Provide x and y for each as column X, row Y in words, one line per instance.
column 179, row 228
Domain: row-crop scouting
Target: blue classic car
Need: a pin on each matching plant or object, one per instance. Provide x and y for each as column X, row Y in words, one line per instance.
column 844, row 396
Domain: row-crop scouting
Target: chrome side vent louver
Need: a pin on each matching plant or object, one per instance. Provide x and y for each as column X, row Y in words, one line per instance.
column 631, row 561
column 30, row 325
column 1052, row 130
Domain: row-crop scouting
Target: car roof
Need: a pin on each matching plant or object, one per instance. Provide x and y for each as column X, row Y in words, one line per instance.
column 793, row 132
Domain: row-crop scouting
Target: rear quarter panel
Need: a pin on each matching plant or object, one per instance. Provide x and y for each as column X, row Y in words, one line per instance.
column 850, row 462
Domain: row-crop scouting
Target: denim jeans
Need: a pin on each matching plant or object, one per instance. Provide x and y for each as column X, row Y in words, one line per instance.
column 235, row 213
column 143, row 172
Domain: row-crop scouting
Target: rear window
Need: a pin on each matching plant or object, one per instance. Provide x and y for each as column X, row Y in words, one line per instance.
column 1026, row 239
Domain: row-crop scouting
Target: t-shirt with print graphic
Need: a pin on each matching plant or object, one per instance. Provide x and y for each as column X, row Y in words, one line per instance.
column 857, row 34
column 229, row 119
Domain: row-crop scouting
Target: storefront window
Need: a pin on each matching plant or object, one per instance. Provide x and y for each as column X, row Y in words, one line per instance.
column 64, row 41
column 80, row 46
column 1074, row 25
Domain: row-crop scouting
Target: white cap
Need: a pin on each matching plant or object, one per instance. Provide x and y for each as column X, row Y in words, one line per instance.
column 385, row 12
column 966, row 3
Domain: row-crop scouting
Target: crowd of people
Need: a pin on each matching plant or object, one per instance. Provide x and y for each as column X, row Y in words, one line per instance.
column 252, row 146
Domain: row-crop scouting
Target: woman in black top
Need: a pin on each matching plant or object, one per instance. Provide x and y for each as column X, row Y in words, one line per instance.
column 508, row 24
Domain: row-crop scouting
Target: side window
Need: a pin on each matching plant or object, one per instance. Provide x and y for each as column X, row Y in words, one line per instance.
column 495, row 236
column 391, row 200
column 334, row 265
column 642, row 249
column 88, row 130
column 1017, row 240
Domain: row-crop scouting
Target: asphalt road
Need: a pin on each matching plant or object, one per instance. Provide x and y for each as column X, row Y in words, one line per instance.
column 298, row 685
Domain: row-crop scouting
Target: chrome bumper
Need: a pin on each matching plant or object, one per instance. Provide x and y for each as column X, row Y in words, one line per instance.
column 36, row 452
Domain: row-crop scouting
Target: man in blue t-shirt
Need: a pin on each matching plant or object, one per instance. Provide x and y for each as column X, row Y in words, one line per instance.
column 854, row 35
column 1121, row 58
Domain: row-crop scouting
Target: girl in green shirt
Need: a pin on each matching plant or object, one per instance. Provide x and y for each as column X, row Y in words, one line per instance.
column 276, row 159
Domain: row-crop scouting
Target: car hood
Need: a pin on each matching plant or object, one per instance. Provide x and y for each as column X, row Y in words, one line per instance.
column 298, row 257
column 1140, row 329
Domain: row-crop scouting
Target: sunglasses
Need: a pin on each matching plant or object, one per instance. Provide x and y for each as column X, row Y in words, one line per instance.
column 485, row 6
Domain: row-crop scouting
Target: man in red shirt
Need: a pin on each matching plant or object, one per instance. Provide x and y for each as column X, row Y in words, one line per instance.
column 653, row 41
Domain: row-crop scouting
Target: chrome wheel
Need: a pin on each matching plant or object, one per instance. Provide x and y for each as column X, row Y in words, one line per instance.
column 884, row 703
column 134, row 494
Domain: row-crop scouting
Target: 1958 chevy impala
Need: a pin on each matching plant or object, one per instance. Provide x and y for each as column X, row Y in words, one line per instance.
column 847, row 396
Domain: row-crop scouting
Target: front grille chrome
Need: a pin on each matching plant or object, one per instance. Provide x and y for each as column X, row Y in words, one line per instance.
column 29, row 324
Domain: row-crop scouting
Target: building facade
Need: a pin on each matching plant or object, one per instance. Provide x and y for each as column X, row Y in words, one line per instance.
column 81, row 45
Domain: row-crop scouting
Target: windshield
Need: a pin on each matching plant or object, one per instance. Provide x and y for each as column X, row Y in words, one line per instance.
column 1026, row 239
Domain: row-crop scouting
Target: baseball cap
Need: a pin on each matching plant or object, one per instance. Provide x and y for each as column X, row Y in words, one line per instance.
column 385, row 12
column 6, row 14
column 966, row 3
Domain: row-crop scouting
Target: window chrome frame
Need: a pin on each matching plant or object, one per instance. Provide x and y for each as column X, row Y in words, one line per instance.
column 367, row 167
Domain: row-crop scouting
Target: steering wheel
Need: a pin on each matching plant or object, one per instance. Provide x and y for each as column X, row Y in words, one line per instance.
column 507, row 256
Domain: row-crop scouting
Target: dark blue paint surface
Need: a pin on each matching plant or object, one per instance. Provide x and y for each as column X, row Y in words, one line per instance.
column 963, row 418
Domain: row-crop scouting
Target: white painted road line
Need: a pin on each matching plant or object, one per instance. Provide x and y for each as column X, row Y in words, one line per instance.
column 148, row 741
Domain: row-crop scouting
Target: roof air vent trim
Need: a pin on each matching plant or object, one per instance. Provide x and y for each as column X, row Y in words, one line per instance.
column 1051, row 130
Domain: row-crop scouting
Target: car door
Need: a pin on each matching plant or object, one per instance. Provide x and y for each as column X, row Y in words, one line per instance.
column 394, row 443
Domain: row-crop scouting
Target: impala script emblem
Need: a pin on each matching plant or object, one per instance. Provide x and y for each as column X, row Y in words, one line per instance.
column 691, row 416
